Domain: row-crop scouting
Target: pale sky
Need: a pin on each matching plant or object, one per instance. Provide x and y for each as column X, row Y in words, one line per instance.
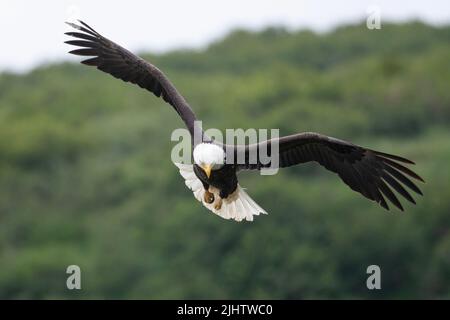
column 32, row 31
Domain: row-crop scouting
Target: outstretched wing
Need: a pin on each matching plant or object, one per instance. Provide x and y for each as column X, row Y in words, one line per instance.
column 366, row 171
column 122, row 64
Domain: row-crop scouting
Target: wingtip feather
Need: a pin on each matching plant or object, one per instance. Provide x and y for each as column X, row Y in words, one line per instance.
column 73, row 25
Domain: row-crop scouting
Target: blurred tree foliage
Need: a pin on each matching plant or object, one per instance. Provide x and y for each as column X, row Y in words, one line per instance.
column 86, row 176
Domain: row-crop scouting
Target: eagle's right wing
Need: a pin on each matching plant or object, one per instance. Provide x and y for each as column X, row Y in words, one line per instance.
column 122, row 64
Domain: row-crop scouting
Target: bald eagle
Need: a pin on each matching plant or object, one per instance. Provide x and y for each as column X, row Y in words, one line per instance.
column 213, row 177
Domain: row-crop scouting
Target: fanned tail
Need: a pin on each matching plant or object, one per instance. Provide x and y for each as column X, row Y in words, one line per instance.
column 237, row 206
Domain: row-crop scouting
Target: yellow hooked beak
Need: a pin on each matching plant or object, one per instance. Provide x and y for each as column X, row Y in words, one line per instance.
column 207, row 168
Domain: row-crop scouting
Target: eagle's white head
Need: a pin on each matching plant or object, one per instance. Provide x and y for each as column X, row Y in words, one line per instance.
column 209, row 157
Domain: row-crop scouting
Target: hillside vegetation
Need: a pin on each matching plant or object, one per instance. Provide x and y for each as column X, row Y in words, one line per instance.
column 86, row 176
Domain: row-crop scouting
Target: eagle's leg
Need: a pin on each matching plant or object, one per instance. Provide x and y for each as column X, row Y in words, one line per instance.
column 222, row 195
column 218, row 204
column 208, row 197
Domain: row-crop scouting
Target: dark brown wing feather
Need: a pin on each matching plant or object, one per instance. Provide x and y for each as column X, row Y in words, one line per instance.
column 373, row 174
column 122, row 64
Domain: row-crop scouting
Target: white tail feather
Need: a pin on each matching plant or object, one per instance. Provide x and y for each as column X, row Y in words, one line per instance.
column 237, row 206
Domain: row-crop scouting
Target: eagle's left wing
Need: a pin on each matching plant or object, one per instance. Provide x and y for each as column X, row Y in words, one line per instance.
column 371, row 173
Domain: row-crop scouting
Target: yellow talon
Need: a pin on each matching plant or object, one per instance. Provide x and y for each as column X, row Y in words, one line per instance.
column 218, row 204
column 208, row 197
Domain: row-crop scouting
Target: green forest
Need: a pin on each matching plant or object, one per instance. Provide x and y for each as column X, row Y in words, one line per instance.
column 86, row 177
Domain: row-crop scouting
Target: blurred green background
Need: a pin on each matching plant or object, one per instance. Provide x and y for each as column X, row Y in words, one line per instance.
column 86, row 176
